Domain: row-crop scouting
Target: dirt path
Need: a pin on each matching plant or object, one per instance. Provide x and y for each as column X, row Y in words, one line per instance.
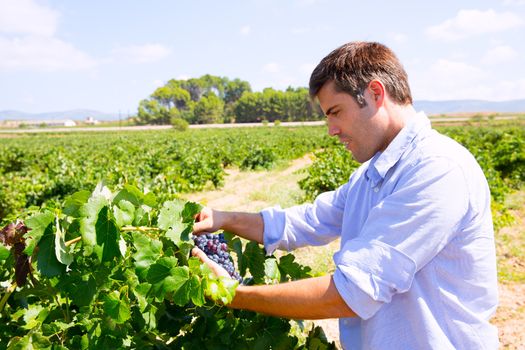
column 252, row 191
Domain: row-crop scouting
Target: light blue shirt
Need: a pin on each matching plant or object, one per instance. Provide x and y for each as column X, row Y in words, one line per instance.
column 417, row 260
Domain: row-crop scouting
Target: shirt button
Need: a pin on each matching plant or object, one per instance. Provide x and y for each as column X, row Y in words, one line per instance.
column 376, row 189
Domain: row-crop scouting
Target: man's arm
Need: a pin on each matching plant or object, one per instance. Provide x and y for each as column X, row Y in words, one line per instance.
column 308, row 299
column 246, row 225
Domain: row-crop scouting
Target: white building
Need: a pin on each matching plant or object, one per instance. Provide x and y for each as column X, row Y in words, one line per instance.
column 40, row 123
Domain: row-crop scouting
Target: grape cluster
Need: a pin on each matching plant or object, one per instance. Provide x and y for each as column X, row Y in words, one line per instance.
column 215, row 247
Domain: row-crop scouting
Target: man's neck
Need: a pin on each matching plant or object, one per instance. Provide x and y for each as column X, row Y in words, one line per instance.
column 398, row 118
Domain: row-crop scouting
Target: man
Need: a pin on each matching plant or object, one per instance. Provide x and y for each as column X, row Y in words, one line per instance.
column 417, row 267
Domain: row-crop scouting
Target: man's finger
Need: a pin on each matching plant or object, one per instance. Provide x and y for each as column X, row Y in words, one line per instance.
column 200, row 254
column 216, row 268
column 200, row 227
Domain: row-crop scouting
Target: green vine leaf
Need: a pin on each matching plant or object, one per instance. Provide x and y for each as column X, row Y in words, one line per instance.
column 124, row 213
column 62, row 253
column 148, row 250
column 47, row 262
column 117, row 307
column 40, row 224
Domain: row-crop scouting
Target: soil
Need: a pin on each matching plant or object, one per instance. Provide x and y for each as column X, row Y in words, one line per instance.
column 236, row 194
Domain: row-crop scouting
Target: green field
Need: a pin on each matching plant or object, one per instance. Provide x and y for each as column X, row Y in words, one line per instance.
column 122, row 246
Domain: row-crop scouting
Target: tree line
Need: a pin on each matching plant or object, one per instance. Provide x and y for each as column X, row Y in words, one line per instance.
column 212, row 99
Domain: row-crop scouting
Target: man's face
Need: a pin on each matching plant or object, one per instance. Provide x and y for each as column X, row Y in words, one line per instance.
column 361, row 130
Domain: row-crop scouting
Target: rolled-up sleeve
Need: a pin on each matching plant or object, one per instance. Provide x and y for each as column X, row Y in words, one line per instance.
column 401, row 234
column 309, row 224
column 369, row 273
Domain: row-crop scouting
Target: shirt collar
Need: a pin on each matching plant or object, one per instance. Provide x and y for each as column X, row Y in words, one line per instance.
column 384, row 161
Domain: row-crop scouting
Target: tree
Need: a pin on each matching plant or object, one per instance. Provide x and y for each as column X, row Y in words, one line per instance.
column 209, row 109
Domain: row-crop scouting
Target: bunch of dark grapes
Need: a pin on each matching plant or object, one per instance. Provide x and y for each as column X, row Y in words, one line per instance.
column 215, row 247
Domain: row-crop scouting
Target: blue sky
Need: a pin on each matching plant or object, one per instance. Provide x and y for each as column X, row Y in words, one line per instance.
column 108, row 55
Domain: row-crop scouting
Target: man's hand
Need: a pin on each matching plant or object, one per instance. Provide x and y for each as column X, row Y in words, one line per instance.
column 245, row 225
column 208, row 220
column 217, row 269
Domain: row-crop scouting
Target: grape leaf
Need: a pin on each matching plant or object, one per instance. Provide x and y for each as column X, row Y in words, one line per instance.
column 75, row 202
column 124, row 213
column 289, row 267
column 149, row 316
column 221, row 290
column 62, row 252
column 34, row 316
column 81, row 289
column 171, row 219
column 141, row 292
column 271, row 270
column 170, row 214
column 40, row 224
column 166, row 277
column 254, row 258
column 134, row 195
column 161, row 269
column 88, row 222
column 33, row 340
column 117, row 307
column 196, row 291
column 148, row 251
column 4, row 252
column 107, row 236
column 99, row 230
column 190, row 210
column 47, row 262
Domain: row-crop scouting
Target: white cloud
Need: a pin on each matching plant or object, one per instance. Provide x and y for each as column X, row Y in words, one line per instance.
column 508, row 90
column 41, row 54
column 29, row 40
column 27, row 17
column 157, row 83
column 272, row 67
column 454, row 80
column 399, row 38
column 500, row 54
column 307, row 2
column 307, row 67
column 474, row 22
column 514, row 2
column 140, row 53
column 449, row 80
column 300, row 30
column 246, row 30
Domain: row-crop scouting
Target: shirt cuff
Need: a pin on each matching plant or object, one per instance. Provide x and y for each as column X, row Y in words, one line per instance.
column 274, row 221
column 369, row 274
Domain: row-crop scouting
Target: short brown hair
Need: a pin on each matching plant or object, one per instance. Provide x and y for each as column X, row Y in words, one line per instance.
column 354, row 65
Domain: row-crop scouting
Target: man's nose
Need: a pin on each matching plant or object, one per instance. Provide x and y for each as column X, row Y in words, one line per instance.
column 332, row 130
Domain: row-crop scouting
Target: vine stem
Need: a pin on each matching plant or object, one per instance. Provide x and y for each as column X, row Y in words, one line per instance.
column 124, row 228
column 8, row 293
column 139, row 228
column 73, row 241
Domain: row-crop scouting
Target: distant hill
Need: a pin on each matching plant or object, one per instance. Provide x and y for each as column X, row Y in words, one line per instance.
column 75, row 114
column 429, row 107
column 470, row 106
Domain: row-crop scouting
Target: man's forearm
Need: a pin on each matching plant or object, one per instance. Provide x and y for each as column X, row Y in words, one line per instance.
column 308, row 299
column 246, row 225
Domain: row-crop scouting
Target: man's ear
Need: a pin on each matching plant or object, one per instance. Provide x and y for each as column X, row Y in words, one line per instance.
column 377, row 91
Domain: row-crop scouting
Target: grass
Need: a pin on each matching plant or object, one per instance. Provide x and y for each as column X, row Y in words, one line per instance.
column 510, row 242
column 286, row 191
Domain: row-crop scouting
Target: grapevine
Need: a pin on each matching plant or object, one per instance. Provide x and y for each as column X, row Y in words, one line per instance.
column 112, row 270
